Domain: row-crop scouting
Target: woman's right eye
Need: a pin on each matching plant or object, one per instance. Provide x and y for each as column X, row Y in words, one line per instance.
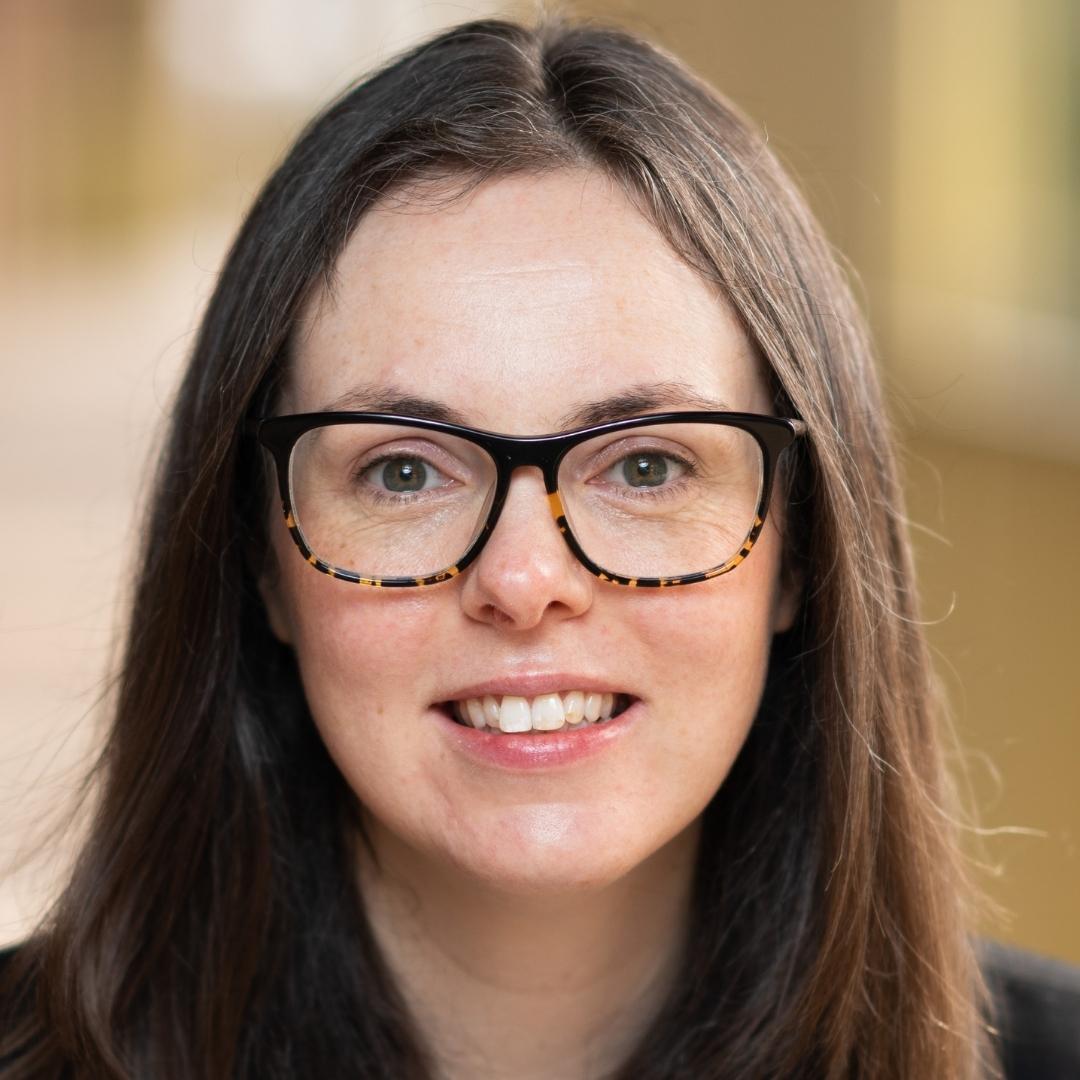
column 403, row 475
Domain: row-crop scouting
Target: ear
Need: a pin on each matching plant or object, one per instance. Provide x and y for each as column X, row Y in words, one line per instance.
column 276, row 611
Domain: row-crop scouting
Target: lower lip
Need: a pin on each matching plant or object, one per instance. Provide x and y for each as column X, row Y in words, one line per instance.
column 540, row 750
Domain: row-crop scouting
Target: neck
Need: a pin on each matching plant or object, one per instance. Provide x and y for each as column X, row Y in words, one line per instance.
column 529, row 985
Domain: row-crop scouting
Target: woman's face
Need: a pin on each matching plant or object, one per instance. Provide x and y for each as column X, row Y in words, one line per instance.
column 525, row 302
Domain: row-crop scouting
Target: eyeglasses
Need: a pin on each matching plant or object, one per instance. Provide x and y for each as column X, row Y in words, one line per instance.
column 660, row 500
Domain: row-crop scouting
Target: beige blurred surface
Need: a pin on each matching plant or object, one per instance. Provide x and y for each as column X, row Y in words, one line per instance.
column 937, row 141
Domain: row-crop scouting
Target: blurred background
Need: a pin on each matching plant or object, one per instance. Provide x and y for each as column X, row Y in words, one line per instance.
column 938, row 140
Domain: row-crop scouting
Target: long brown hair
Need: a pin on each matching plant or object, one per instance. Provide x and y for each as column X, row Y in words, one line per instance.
column 210, row 928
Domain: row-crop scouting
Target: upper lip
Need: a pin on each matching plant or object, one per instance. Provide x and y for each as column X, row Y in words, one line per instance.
column 532, row 684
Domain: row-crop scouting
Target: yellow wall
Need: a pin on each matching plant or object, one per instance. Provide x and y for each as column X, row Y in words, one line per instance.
column 1001, row 589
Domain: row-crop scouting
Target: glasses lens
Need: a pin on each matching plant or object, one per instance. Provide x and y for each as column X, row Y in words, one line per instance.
column 663, row 500
column 389, row 500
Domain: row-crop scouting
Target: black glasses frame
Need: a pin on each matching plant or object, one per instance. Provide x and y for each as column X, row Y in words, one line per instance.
column 509, row 452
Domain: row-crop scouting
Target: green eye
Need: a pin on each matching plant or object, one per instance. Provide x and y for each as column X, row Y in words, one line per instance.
column 404, row 474
column 645, row 470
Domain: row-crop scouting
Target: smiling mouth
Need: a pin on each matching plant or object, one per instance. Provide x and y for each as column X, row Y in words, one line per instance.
column 570, row 711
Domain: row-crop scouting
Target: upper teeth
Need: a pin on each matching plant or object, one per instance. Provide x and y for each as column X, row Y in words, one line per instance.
column 545, row 712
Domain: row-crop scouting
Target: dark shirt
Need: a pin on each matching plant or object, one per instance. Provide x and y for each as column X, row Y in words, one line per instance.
column 1037, row 1003
column 1038, row 1012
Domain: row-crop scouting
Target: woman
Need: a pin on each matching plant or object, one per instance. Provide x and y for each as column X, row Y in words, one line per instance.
column 609, row 753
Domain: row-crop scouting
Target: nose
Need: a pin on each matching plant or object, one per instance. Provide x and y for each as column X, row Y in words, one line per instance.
column 526, row 573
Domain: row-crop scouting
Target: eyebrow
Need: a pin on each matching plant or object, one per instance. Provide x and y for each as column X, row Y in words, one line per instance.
column 636, row 400
column 371, row 397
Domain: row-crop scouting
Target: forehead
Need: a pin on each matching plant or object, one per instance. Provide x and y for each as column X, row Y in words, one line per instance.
column 514, row 306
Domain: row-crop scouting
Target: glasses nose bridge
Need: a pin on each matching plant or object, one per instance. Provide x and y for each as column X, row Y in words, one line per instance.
column 514, row 454
column 543, row 454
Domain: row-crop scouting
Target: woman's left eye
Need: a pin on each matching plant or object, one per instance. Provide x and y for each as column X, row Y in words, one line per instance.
column 403, row 475
column 645, row 469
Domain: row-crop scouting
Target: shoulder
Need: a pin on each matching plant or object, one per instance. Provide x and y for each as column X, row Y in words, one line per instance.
column 1037, row 1011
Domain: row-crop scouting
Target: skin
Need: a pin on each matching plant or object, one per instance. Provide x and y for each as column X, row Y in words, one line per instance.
column 533, row 921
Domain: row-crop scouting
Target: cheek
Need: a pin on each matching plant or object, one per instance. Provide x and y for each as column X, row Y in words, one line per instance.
column 347, row 642
column 708, row 651
column 717, row 634
column 364, row 655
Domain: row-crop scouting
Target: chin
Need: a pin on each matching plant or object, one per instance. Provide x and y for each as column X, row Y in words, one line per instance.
column 539, row 879
column 547, row 848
